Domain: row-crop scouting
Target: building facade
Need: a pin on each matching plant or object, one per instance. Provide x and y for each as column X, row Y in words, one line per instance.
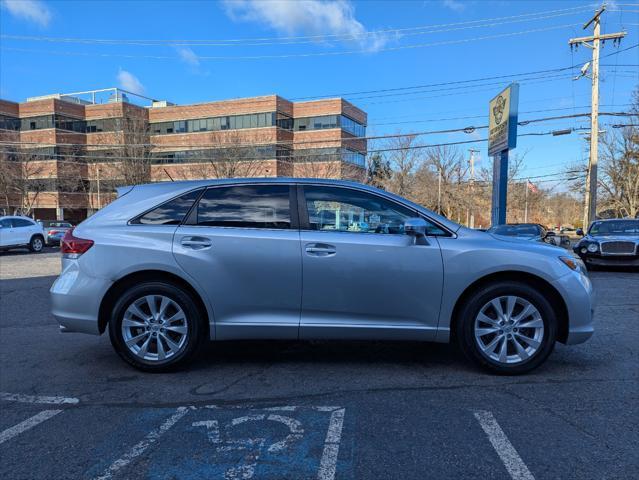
column 62, row 156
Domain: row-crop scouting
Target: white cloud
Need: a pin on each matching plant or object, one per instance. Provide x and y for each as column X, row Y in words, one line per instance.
column 454, row 5
column 309, row 17
column 32, row 10
column 188, row 56
column 130, row 82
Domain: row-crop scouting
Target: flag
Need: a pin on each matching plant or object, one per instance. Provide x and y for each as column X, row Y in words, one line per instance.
column 531, row 186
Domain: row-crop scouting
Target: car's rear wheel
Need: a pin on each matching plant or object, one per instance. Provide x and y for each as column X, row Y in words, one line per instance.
column 36, row 244
column 156, row 327
column 507, row 327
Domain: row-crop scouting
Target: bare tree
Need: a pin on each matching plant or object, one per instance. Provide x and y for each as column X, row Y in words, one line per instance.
column 22, row 179
column 619, row 179
column 404, row 159
column 135, row 162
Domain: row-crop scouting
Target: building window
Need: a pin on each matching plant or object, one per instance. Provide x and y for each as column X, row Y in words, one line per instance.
column 232, row 122
column 330, row 121
column 352, row 127
column 9, row 123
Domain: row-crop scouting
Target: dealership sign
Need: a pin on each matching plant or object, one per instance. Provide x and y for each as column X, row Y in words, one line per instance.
column 502, row 133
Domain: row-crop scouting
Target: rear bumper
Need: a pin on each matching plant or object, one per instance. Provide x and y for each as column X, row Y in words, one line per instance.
column 75, row 300
column 576, row 290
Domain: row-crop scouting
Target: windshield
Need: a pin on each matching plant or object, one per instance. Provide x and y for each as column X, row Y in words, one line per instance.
column 615, row 227
column 515, row 230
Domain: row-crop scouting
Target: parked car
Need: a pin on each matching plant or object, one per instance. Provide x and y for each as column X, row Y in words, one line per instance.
column 16, row 232
column 527, row 231
column 613, row 242
column 54, row 230
column 167, row 266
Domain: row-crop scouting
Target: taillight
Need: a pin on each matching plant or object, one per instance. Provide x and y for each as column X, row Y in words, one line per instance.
column 72, row 246
column 53, row 232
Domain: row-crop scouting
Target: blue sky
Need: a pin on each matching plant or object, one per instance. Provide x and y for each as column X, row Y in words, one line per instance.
column 315, row 48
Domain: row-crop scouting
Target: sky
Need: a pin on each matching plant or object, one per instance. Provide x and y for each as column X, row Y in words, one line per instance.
column 412, row 66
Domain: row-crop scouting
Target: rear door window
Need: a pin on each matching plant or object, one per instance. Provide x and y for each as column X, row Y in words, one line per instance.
column 21, row 222
column 169, row 213
column 245, row 206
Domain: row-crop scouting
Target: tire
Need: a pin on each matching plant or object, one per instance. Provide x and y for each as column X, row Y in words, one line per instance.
column 481, row 337
column 36, row 244
column 165, row 336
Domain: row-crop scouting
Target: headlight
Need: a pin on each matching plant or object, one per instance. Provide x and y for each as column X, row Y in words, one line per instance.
column 593, row 247
column 574, row 264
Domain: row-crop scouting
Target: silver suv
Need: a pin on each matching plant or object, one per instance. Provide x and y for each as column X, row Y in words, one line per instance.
column 168, row 266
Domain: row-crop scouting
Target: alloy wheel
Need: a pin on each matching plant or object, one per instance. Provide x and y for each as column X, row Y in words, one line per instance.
column 155, row 328
column 509, row 330
column 37, row 244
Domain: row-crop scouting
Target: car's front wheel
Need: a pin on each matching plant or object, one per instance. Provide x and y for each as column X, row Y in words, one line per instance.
column 156, row 327
column 507, row 327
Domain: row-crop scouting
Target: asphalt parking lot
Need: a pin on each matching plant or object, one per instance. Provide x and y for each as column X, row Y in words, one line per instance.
column 327, row 410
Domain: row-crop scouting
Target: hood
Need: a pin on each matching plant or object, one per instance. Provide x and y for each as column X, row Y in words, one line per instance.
column 510, row 238
column 520, row 243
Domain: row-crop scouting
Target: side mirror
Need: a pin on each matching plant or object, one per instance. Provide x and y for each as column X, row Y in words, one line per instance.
column 415, row 227
column 580, row 232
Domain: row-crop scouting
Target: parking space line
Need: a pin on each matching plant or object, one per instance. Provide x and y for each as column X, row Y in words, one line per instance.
column 506, row 451
column 31, row 422
column 18, row 397
column 328, row 463
column 141, row 446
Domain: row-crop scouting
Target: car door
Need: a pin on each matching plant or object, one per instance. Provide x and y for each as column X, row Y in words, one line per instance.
column 362, row 276
column 6, row 232
column 23, row 229
column 241, row 244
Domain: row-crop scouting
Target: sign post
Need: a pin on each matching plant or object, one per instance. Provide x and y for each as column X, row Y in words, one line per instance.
column 502, row 137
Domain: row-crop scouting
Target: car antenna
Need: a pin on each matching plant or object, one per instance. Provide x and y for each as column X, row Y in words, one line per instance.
column 168, row 174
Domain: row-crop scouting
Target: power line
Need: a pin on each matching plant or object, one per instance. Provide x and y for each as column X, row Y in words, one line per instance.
column 468, row 129
column 457, row 82
column 296, row 55
column 202, row 158
column 309, row 38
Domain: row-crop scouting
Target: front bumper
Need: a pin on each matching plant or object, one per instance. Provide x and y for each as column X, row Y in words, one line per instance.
column 576, row 290
column 75, row 299
column 610, row 260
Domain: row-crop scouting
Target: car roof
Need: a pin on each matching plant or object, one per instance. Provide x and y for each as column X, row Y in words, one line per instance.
column 17, row 216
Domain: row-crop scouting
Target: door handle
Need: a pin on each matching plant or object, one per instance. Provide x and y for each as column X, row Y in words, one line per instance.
column 196, row 243
column 320, row 249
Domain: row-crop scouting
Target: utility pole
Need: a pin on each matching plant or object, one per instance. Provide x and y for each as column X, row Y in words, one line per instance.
column 526, row 202
column 471, row 220
column 439, row 190
column 98, row 178
column 594, row 43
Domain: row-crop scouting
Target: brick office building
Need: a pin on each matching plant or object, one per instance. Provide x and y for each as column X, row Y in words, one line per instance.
column 63, row 155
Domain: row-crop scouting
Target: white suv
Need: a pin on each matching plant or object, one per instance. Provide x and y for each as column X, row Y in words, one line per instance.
column 21, row 232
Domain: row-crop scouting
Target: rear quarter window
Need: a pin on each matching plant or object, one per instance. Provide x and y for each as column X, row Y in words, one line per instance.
column 169, row 213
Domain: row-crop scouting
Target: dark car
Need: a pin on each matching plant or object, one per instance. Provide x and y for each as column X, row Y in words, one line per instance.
column 54, row 230
column 613, row 242
column 527, row 231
